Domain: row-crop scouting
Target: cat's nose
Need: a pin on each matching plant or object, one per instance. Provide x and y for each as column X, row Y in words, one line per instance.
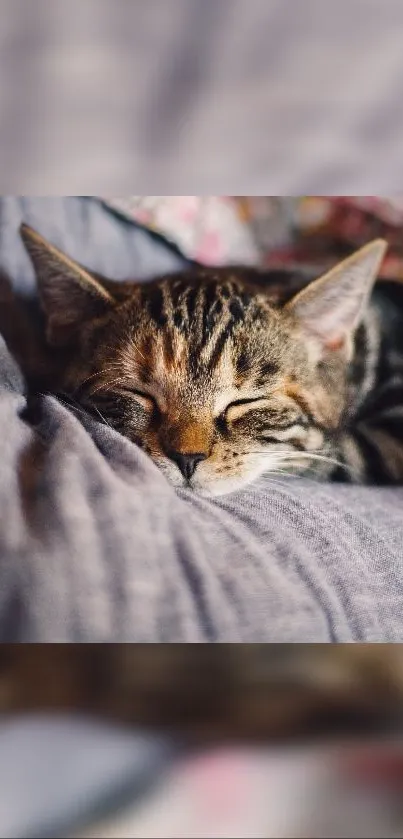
column 187, row 462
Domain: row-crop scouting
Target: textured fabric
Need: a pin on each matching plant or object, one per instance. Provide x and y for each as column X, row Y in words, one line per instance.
column 95, row 545
column 201, row 96
column 206, row 228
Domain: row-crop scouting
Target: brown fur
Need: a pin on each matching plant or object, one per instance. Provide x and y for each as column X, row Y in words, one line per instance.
column 212, row 365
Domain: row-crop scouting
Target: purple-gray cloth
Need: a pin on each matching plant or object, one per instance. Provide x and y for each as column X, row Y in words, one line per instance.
column 95, row 545
column 59, row 772
column 209, row 96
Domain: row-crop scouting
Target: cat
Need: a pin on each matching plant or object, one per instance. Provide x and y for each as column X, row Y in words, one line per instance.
column 222, row 375
column 263, row 691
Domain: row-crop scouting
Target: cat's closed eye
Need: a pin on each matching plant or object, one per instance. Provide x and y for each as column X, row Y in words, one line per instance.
column 239, row 407
column 146, row 401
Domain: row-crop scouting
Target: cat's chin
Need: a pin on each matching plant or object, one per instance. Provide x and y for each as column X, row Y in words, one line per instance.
column 212, row 489
column 221, row 487
column 212, row 485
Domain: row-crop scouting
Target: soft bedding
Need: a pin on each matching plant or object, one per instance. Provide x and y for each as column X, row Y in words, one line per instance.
column 95, row 545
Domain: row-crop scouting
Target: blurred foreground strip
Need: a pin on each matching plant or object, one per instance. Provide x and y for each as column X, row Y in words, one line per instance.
column 261, row 793
column 263, row 741
column 213, row 691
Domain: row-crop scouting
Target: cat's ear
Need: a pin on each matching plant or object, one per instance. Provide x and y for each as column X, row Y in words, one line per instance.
column 70, row 296
column 331, row 308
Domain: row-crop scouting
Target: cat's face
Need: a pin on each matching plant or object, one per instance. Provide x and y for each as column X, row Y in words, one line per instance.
column 215, row 382
column 212, row 382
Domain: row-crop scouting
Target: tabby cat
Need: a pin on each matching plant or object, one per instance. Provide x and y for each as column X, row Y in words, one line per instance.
column 213, row 691
column 221, row 375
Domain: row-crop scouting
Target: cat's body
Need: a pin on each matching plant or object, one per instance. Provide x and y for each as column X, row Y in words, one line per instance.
column 222, row 375
column 374, row 438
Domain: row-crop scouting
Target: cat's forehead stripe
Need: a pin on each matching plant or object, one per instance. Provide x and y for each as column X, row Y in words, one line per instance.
column 194, row 325
column 196, row 306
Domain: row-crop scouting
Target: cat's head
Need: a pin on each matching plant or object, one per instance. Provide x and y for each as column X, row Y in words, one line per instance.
column 214, row 380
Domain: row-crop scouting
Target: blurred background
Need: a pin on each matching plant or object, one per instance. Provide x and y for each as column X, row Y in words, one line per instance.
column 271, row 230
column 81, row 772
column 201, row 95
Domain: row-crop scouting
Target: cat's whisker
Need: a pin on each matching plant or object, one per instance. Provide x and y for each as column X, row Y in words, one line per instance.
column 297, row 455
column 138, row 351
column 281, row 473
column 102, row 417
column 110, row 369
column 78, row 409
column 339, row 463
column 106, row 386
column 296, row 459
column 132, row 344
column 324, row 458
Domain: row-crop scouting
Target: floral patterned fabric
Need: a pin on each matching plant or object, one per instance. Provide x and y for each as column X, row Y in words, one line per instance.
column 208, row 229
column 263, row 792
column 322, row 229
column 264, row 230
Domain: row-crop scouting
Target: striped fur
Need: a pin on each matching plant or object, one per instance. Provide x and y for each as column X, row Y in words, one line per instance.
column 248, row 372
column 372, row 446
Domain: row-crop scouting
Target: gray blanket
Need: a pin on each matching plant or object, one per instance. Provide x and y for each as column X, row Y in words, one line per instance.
column 95, row 545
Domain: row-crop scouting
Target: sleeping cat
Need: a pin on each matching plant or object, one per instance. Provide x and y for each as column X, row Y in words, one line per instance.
column 221, row 375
